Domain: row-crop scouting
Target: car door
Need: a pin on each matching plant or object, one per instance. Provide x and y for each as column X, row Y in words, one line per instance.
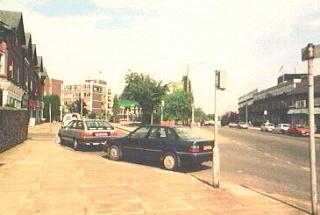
column 70, row 131
column 133, row 147
column 159, row 139
column 66, row 132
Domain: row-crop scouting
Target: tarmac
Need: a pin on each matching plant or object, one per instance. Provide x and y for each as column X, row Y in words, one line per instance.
column 40, row 176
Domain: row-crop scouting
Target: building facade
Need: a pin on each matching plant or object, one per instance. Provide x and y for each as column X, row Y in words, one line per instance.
column 22, row 73
column 94, row 94
column 271, row 104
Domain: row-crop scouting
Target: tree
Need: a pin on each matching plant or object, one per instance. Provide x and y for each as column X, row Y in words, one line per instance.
column 75, row 107
column 199, row 115
column 54, row 100
column 145, row 90
column 178, row 106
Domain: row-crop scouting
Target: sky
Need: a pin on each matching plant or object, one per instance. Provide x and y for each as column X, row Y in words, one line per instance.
column 248, row 39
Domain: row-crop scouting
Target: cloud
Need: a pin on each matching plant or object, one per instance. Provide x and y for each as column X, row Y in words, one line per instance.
column 163, row 37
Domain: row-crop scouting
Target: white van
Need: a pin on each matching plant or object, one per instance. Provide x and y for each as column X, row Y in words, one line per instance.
column 67, row 118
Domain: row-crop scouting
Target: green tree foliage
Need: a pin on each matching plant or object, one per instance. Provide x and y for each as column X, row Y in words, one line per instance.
column 55, row 106
column 178, row 106
column 145, row 90
column 75, row 107
column 199, row 115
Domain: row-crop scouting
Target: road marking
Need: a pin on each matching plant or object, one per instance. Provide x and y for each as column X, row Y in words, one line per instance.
column 239, row 171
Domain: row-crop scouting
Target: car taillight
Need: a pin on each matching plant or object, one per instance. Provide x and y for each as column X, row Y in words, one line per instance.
column 194, row 149
column 113, row 133
column 84, row 134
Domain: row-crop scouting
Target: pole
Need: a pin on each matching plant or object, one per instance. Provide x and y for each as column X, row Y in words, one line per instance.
column 313, row 174
column 192, row 115
column 246, row 109
column 161, row 120
column 50, row 115
column 152, row 119
column 216, row 153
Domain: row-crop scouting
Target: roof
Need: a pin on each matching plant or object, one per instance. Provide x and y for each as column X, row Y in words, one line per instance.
column 127, row 103
column 28, row 38
column 12, row 19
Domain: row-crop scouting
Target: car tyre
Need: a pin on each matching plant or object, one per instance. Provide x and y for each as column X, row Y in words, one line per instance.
column 114, row 153
column 170, row 161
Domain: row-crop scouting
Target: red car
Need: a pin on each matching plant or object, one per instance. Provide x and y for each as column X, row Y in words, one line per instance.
column 299, row 130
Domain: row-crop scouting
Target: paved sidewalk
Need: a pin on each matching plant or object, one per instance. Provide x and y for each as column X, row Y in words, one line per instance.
column 42, row 177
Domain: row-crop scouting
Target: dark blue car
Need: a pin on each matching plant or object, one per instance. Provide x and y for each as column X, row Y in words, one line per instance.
column 171, row 146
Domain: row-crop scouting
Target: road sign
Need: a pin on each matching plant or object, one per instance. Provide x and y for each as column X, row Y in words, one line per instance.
column 305, row 53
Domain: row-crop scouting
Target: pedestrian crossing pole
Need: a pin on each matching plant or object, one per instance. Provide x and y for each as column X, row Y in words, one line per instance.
column 220, row 81
column 309, row 53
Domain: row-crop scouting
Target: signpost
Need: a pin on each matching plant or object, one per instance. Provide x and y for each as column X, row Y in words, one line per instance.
column 220, row 81
column 309, row 53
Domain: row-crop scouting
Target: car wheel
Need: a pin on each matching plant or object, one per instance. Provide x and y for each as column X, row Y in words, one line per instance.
column 76, row 145
column 114, row 153
column 170, row 161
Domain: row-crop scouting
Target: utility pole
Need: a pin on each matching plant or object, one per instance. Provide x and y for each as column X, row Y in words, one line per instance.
column 309, row 53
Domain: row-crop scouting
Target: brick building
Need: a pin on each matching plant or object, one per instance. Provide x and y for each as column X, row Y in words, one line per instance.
column 22, row 73
column 53, row 87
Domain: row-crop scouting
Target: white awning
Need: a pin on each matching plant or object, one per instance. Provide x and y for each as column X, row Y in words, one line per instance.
column 303, row 111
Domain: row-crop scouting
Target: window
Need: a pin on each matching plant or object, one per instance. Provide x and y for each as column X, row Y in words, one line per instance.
column 301, row 104
column 140, row 133
column 317, row 101
column 2, row 63
column 158, row 133
column 80, row 125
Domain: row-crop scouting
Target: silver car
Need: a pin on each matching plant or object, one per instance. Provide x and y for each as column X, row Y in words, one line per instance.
column 87, row 132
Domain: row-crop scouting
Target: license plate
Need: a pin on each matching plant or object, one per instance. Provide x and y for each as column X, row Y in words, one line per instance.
column 207, row 147
column 95, row 144
column 102, row 134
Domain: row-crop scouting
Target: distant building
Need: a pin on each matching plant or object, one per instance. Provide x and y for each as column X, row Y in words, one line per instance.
column 94, row 93
column 272, row 104
column 53, row 87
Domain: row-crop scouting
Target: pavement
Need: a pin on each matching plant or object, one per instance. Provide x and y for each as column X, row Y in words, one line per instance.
column 40, row 176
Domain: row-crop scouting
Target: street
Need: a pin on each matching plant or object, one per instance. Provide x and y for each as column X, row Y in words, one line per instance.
column 276, row 164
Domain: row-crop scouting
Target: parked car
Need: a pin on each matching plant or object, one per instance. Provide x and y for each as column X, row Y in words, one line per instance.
column 242, row 125
column 87, row 132
column 281, row 128
column 171, row 146
column 232, row 125
column 267, row 127
column 208, row 122
column 299, row 130
column 68, row 117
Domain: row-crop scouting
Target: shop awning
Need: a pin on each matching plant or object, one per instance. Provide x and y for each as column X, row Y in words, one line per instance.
column 303, row 111
column 127, row 103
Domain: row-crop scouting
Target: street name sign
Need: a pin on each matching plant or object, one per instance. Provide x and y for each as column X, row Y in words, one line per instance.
column 305, row 54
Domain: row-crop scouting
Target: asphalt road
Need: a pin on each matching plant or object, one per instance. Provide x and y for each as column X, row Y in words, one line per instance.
column 276, row 164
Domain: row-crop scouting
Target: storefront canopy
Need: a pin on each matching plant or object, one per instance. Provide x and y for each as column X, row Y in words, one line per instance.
column 127, row 103
column 303, row 111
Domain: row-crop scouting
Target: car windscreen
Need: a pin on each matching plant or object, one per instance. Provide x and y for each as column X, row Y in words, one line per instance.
column 98, row 125
column 186, row 134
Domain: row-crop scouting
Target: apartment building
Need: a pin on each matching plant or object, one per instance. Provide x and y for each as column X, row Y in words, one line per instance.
column 94, row 94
